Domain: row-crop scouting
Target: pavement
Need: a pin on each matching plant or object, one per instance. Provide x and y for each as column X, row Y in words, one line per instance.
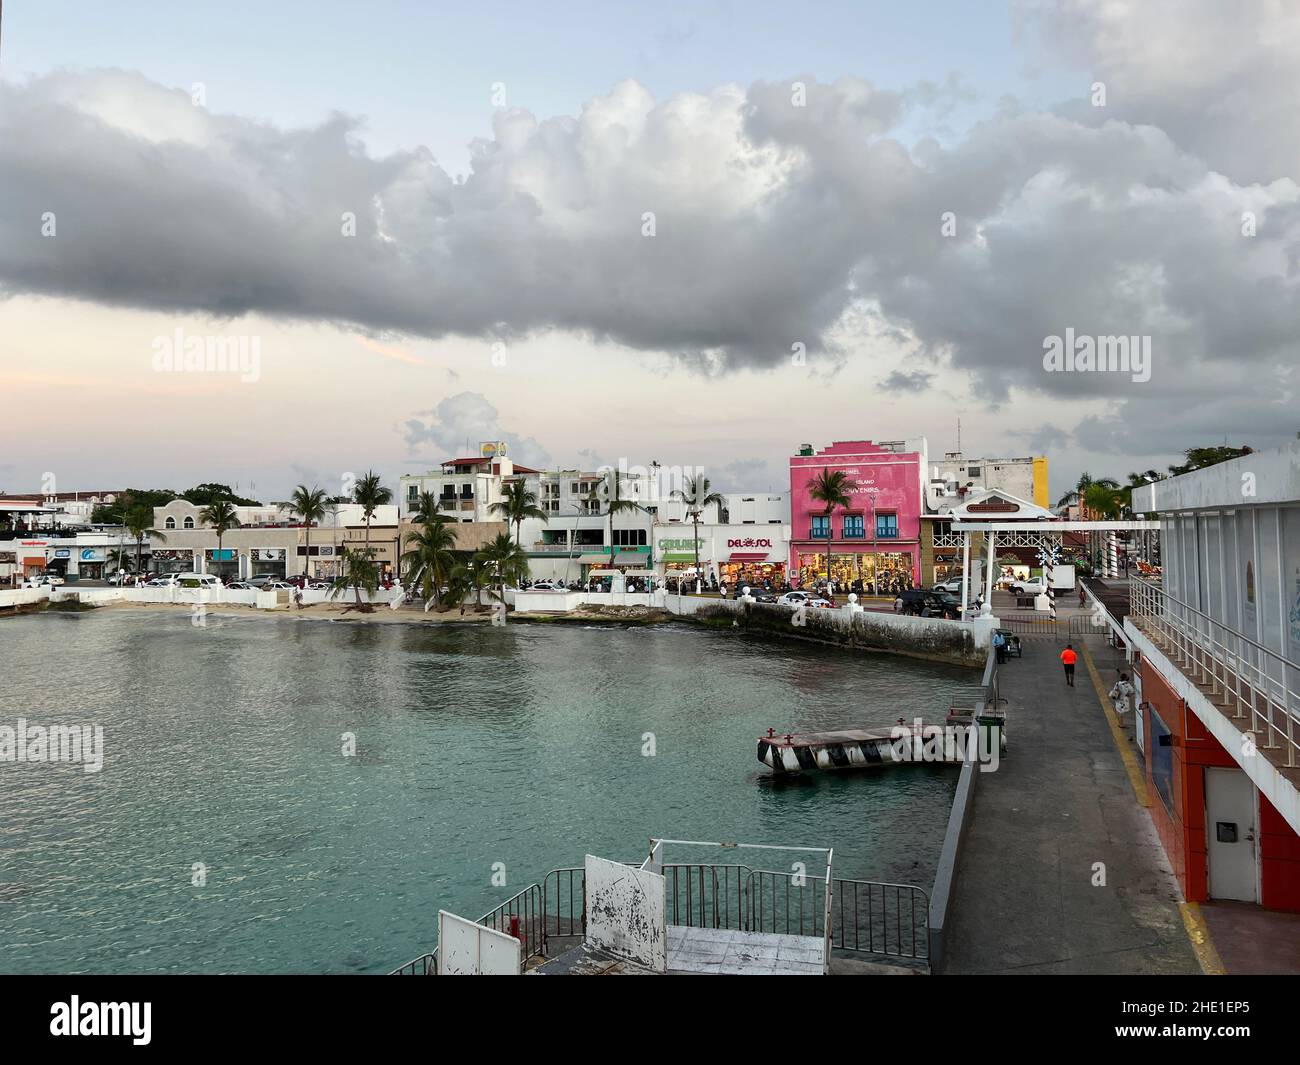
column 1062, row 870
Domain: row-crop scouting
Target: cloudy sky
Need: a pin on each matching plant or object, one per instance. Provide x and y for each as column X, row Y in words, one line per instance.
column 699, row 234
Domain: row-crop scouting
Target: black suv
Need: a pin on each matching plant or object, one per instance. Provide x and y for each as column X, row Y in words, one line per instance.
column 929, row 604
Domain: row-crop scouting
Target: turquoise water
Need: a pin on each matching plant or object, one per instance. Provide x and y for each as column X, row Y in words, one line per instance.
column 476, row 745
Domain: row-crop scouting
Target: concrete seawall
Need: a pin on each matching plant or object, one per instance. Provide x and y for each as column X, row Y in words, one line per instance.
column 962, row 643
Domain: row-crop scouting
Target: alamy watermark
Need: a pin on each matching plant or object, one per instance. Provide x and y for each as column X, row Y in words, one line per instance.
column 53, row 743
column 1087, row 354
column 190, row 353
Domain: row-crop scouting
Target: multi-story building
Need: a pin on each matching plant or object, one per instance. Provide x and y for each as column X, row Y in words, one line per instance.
column 758, row 508
column 954, row 477
column 877, row 538
column 270, row 539
column 1216, row 643
column 468, row 487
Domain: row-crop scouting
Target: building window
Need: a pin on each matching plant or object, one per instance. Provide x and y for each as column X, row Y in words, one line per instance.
column 189, row 523
column 412, row 493
column 629, row 538
column 821, row 526
column 853, row 527
column 973, row 471
column 887, row 526
column 170, row 523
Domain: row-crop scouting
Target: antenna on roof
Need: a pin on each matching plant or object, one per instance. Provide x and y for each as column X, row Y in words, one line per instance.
column 959, row 434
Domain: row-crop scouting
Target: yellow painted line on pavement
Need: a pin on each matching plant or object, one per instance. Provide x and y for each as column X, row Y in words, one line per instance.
column 1136, row 777
column 1202, row 945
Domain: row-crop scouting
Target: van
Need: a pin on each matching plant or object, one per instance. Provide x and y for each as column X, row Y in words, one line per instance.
column 198, row 580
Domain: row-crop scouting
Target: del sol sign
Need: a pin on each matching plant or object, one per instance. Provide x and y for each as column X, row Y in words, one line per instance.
column 749, row 541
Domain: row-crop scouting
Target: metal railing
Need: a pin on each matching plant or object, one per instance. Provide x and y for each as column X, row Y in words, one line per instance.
column 1262, row 686
column 527, row 907
column 1033, row 625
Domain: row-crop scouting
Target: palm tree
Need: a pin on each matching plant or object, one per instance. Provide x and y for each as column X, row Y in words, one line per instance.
column 1078, row 494
column 517, row 505
column 427, row 508
column 309, row 504
column 371, row 493
column 504, row 560
column 138, row 523
column 696, row 496
column 611, row 489
column 220, row 515
column 359, row 571
column 431, row 554
column 461, row 580
column 832, row 488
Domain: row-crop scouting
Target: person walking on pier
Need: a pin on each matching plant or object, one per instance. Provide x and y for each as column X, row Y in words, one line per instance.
column 1068, row 658
column 1000, row 645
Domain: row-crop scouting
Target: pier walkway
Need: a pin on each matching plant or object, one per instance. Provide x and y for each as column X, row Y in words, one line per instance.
column 1060, row 802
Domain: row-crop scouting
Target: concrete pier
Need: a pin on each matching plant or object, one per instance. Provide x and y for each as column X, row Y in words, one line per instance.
column 1061, row 870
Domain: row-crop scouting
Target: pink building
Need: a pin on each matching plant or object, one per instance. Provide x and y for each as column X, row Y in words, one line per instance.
column 877, row 540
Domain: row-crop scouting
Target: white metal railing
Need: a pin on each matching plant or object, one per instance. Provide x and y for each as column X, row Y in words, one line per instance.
column 1262, row 685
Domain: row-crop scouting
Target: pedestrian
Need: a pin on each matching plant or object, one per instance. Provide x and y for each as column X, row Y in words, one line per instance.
column 1083, row 597
column 1121, row 693
column 999, row 645
column 1068, row 658
column 723, row 586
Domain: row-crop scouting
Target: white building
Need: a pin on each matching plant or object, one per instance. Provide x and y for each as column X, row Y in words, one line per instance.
column 955, row 476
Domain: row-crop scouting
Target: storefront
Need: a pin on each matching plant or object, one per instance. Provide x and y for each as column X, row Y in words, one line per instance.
column 268, row 561
column 321, row 560
column 170, row 561
column 728, row 554
column 223, row 562
column 876, row 572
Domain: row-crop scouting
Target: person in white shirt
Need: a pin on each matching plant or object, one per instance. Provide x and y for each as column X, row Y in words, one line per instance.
column 1121, row 694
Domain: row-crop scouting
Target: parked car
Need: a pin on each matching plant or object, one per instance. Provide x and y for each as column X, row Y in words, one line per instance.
column 1034, row 587
column 794, row 599
column 261, row 580
column 277, row 585
column 950, row 587
column 198, row 580
column 759, row 595
column 917, row 601
column 546, row 585
column 240, row 586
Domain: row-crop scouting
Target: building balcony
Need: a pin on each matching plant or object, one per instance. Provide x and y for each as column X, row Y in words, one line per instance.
column 854, row 534
column 886, row 534
column 1255, row 688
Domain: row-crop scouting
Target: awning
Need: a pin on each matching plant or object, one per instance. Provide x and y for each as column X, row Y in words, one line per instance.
column 592, row 560
column 630, row 558
column 748, row 556
column 679, row 556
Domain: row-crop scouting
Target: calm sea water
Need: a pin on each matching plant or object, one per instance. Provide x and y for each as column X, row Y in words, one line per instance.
column 519, row 745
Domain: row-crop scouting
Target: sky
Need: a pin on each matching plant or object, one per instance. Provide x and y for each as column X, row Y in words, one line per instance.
column 695, row 234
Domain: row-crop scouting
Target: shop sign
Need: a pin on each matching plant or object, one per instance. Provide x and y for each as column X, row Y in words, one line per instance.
column 992, row 508
column 62, row 552
column 679, row 545
column 270, row 554
column 749, row 541
column 327, row 551
column 91, row 554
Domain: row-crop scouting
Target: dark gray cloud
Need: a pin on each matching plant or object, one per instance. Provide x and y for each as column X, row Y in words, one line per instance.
column 907, row 381
column 778, row 216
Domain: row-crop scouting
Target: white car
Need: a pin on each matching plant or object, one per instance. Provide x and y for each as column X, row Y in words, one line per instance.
column 547, row 586
column 952, row 587
column 794, row 599
column 277, row 586
column 1028, row 587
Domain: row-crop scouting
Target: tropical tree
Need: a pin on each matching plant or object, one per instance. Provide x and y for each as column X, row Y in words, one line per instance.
column 371, row 493
column 470, row 575
column 830, row 487
column 431, row 555
column 504, row 561
column 220, row 516
column 1078, row 494
column 517, row 505
column 427, row 508
column 1197, row 458
column 359, row 572
column 696, row 495
column 610, row 489
column 311, row 506
column 138, row 521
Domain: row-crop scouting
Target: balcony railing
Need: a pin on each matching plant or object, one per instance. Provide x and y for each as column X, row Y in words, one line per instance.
column 1257, row 687
column 887, row 534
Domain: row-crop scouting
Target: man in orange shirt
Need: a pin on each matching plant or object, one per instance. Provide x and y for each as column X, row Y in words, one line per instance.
column 1068, row 658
